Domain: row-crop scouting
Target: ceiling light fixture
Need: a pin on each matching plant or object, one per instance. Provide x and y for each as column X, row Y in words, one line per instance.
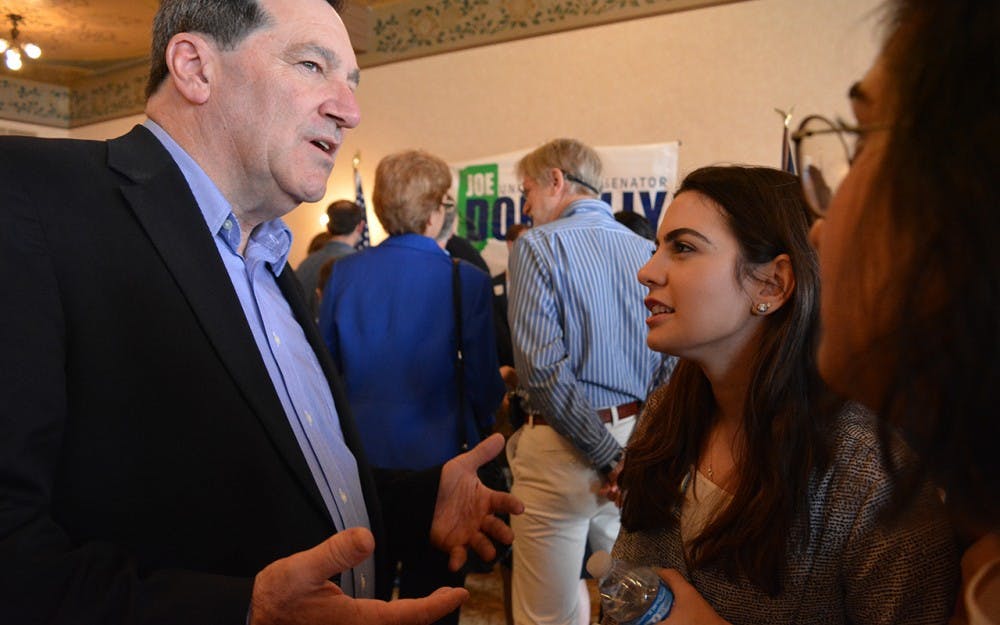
column 13, row 50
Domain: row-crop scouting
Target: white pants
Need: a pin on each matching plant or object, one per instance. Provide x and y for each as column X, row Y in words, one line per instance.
column 562, row 511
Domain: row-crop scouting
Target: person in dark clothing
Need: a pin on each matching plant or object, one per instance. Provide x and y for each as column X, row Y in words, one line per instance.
column 346, row 221
column 461, row 248
column 504, row 349
column 636, row 223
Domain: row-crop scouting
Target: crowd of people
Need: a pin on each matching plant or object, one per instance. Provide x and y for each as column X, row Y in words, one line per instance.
column 779, row 397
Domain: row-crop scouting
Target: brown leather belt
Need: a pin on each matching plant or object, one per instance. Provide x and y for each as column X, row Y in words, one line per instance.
column 607, row 415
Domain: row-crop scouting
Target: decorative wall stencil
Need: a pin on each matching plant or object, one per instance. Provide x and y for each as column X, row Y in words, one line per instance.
column 409, row 29
column 119, row 94
column 34, row 102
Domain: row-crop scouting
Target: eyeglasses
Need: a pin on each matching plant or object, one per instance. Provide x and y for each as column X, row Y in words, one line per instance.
column 579, row 181
column 571, row 178
column 824, row 151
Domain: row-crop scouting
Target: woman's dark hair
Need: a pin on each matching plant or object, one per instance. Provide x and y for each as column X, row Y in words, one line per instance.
column 787, row 412
column 940, row 171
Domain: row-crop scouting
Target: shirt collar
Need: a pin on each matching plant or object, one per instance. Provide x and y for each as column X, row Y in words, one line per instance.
column 272, row 240
column 586, row 205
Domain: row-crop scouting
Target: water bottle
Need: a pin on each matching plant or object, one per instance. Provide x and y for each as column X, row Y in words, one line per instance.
column 631, row 595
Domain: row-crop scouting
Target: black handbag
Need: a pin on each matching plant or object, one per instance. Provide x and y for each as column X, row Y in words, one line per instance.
column 491, row 474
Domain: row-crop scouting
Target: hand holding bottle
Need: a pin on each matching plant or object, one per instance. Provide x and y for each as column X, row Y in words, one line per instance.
column 631, row 595
column 639, row 595
column 690, row 607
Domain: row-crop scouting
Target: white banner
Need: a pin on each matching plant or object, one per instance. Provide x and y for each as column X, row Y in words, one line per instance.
column 637, row 178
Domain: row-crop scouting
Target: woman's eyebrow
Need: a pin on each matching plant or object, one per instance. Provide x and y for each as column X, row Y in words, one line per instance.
column 675, row 234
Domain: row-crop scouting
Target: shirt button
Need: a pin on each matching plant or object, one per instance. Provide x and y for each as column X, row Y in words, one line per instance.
column 309, row 417
column 277, row 339
column 227, row 225
column 364, row 581
column 343, row 495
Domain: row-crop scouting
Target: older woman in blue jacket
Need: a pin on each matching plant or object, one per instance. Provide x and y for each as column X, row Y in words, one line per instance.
column 389, row 319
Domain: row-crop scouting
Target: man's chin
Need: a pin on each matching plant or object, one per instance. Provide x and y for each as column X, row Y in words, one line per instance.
column 313, row 196
column 313, row 192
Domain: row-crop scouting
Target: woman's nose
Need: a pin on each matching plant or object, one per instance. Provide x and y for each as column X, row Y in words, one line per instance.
column 649, row 273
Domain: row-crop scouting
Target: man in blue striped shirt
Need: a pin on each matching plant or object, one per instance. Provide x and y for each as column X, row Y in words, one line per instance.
column 577, row 325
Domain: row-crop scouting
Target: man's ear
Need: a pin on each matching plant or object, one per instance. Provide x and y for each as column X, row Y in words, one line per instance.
column 190, row 60
column 557, row 183
column 556, row 178
column 776, row 283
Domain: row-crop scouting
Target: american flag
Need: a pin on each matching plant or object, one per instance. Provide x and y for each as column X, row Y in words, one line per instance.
column 359, row 197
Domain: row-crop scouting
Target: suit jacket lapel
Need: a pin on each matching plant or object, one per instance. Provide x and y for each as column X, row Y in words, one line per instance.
column 164, row 205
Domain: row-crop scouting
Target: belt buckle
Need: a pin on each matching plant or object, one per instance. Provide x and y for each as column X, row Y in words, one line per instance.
column 614, row 416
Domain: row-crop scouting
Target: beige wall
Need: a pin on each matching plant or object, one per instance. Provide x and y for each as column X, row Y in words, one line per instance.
column 108, row 129
column 709, row 77
column 10, row 127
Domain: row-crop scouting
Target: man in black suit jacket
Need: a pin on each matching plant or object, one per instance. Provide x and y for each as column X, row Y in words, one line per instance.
column 155, row 460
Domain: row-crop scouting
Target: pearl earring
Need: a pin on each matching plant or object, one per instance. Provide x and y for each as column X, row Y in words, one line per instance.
column 762, row 308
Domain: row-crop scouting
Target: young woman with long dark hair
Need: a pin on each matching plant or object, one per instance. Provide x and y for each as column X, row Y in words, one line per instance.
column 762, row 489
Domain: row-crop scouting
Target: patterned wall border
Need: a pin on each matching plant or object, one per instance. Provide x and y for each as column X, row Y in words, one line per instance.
column 415, row 28
column 96, row 99
column 393, row 31
column 34, row 102
column 113, row 95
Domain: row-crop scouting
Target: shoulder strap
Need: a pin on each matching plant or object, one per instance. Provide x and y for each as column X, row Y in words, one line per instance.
column 456, row 296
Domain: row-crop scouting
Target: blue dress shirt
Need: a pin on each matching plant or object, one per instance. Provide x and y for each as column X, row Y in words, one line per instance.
column 294, row 370
column 577, row 322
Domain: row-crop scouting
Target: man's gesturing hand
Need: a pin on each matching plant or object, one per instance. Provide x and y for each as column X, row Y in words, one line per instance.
column 297, row 590
column 465, row 507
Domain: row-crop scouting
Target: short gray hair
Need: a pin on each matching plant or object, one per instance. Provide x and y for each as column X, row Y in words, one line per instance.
column 227, row 22
column 574, row 158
